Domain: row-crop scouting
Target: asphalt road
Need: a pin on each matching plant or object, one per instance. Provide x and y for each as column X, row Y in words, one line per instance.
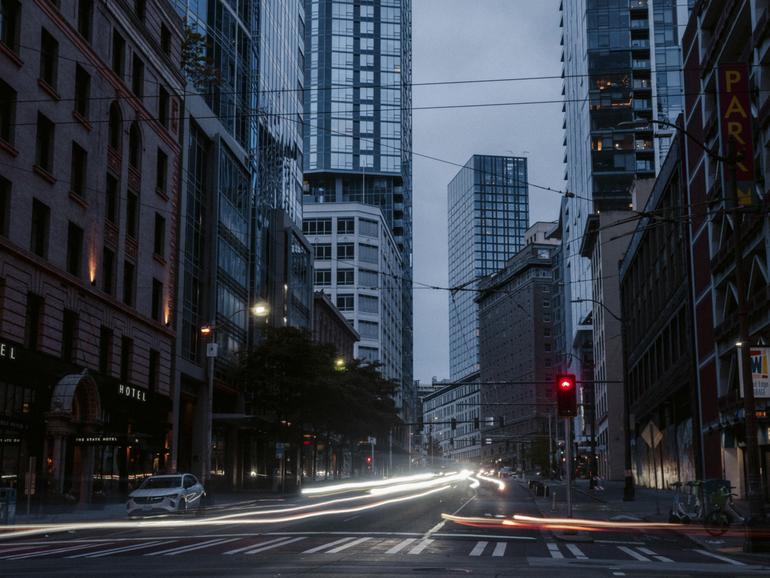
column 363, row 536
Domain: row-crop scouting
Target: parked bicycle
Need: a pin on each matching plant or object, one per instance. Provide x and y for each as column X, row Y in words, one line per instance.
column 718, row 519
column 709, row 502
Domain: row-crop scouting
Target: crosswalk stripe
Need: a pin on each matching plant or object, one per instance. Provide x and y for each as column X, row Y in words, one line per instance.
column 633, row 553
column 102, row 553
column 348, row 545
column 400, row 546
column 421, row 546
column 722, row 558
column 554, row 551
column 190, row 547
column 478, row 549
column 576, row 552
column 276, row 545
column 324, row 546
column 252, row 546
column 499, row 549
column 658, row 557
column 39, row 553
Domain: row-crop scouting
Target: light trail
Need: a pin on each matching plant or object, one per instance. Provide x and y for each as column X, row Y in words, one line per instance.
column 500, row 483
column 455, row 477
column 350, row 486
column 474, row 482
column 533, row 522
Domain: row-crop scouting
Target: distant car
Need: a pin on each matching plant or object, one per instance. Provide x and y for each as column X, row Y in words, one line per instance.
column 178, row 493
column 505, row 472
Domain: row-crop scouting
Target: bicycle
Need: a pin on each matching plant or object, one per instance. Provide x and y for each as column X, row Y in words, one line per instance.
column 717, row 521
column 687, row 505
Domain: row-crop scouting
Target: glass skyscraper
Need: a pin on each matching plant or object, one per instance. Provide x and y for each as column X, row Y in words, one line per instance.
column 358, row 125
column 488, row 206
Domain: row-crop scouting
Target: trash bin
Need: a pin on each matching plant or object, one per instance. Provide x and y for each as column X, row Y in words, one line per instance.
column 7, row 506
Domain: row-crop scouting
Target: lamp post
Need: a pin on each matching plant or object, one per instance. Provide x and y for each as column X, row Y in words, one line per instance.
column 212, row 352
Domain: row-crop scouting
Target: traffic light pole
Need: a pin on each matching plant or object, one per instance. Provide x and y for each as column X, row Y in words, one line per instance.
column 568, row 448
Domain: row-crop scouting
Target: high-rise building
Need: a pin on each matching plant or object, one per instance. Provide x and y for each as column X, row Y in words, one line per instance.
column 488, row 203
column 358, row 124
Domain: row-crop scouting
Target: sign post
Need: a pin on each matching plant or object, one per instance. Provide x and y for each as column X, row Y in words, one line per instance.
column 29, row 483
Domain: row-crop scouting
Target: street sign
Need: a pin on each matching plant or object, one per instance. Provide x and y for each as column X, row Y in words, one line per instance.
column 212, row 349
column 279, row 450
column 651, row 435
column 760, row 372
column 371, row 441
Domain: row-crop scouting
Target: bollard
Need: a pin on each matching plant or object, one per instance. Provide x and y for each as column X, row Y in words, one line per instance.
column 553, row 501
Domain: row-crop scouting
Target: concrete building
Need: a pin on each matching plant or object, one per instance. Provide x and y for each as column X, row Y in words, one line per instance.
column 728, row 38
column 443, row 444
column 358, row 66
column 330, row 327
column 488, row 209
column 517, row 357
column 89, row 191
column 358, row 264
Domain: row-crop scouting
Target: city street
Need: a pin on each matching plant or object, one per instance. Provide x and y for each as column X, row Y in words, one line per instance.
column 361, row 534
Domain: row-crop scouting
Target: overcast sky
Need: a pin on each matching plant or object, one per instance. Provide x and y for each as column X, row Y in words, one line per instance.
column 477, row 39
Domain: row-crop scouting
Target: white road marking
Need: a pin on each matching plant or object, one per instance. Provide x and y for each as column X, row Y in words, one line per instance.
column 324, row 546
column 39, row 553
column 276, row 545
column 554, row 550
column 626, row 542
column 654, row 555
column 190, row 547
column 499, row 549
column 400, row 546
column 633, row 553
column 722, row 558
column 102, row 553
column 491, row 537
column 348, row 545
column 251, row 546
column 478, row 549
column 421, row 546
column 441, row 524
column 576, row 552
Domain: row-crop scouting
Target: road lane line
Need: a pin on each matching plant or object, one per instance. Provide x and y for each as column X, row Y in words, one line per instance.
column 328, row 545
column 277, row 545
column 441, row 524
column 48, row 552
column 576, row 552
column 478, row 549
column 252, row 546
column 102, row 553
column 421, row 546
column 633, row 553
column 554, row 550
column 722, row 558
column 190, row 547
column 499, row 549
column 348, row 545
column 658, row 557
column 400, row 546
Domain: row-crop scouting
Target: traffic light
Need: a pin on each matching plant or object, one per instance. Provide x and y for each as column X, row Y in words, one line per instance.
column 454, row 423
column 566, row 395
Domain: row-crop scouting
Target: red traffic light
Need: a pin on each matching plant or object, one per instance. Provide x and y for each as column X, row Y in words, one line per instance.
column 566, row 383
column 566, row 395
column 368, row 459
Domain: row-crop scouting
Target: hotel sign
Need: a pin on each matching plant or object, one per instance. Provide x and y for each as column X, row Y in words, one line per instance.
column 132, row 392
column 8, row 351
column 735, row 116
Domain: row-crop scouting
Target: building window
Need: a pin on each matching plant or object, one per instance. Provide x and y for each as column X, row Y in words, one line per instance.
column 115, row 127
column 369, row 329
column 369, row 253
column 346, row 226
column 323, row 252
column 111, row 200
column 78, row 170
column 69, row 335
column 346, row 302
column 85, row 14
column 135, row 147
column 132, row 214
column 165, row 39
column 126, row 353
column 5, row 206
column 346, row 251
column 161, row 172
column 9, row 23
column 317, row 226
column 41, row 220
column 74, row 249
column 105, row 350
column 369, row 228
column 137, row 76
column 7, row 112
column 118, row 53
column 163, row 106
column 49, row 58
column 346, row 277
column 129, row 283
column 108, row 273
column 44, row 143
column 153, row 370
column 159, row 242
column 140, row 8
column 157, row 299
column 33, row 321
column 82, row 91
column 323, row 278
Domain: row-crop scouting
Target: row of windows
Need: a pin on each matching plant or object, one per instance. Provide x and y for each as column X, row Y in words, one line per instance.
column 346, row 251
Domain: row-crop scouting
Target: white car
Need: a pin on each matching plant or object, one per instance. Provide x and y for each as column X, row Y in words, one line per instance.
column 177, row 493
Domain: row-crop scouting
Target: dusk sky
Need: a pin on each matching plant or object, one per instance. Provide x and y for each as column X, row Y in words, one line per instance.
column 468, row 40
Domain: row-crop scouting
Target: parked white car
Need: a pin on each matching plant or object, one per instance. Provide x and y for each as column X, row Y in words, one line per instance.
column 176, row 493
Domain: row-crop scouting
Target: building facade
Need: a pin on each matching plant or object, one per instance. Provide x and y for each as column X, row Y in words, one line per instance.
column 517, row 357
column 358, row 123
column 358, row 264
column 331, row 328
column 488, row 211
column 446, row 445
column 89, row 192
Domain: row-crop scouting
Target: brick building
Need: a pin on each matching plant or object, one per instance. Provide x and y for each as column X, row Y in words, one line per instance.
column 331, row 327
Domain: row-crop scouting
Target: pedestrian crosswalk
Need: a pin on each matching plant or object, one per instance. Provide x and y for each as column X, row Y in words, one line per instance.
column 297, row 544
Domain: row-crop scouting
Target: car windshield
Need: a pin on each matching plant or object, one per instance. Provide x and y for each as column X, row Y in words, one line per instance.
column 159, row 483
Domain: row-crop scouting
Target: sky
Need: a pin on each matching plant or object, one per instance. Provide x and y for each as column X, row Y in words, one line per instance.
column 468, row 40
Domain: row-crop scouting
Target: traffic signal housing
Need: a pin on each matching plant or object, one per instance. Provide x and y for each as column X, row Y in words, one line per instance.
column 566, row 395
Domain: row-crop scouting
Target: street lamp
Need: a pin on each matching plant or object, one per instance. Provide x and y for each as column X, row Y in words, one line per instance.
column 339, row 364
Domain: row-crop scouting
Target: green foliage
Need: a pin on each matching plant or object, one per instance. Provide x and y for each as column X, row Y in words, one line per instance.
column 196, row 63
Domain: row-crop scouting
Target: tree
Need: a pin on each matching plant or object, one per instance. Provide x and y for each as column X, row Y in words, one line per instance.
column 197, row 65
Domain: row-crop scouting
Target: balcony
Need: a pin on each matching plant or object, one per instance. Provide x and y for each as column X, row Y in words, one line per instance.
column 640, row 43
column 638, row 5
column 640, row 24
column 640, row 64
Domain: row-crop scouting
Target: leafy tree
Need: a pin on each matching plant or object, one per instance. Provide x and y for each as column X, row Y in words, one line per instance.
column 197, row 65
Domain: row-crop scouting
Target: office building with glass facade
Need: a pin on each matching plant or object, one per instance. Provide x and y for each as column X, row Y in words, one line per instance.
column 488, row 205
column 358, row 126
